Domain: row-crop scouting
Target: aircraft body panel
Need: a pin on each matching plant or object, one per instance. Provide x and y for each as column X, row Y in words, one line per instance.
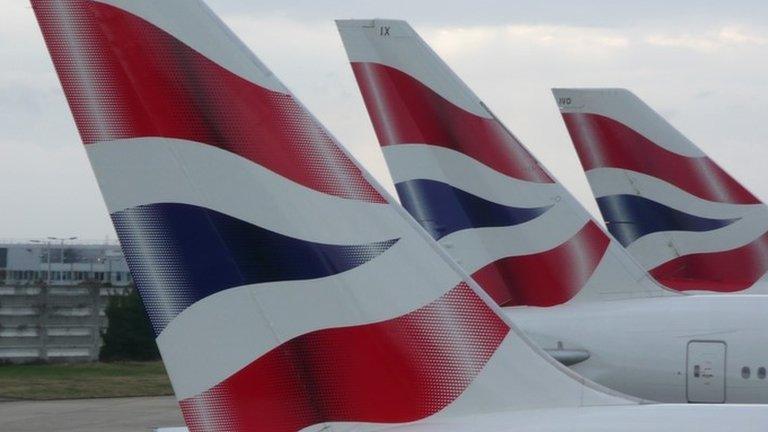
column 641, row 346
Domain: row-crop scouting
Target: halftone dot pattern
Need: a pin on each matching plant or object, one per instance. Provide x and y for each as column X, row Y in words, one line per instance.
column 452, row 340
column 180, row 254
column 405, row 111
column 443, row 209
column 395, row 371
column 126, row 78
column 728, row 271
column 210, row 413
column 602, row 142
column 311, row 142
column 632, row 217
column 102, row 111
column 547, row 278
column 156, row 264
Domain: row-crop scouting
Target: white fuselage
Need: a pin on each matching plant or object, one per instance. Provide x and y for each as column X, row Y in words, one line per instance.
column 638, row 418
column 629, row 418
column 702, row 348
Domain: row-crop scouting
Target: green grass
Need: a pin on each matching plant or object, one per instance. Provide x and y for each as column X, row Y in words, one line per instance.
column 80, row 381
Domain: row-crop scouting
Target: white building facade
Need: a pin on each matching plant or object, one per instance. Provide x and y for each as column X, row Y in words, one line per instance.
column 53, row 263
column 53, row 298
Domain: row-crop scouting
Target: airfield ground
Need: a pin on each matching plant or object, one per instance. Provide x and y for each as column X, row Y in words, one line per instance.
column 86, row 398
column 90, row 415
column 79, row 381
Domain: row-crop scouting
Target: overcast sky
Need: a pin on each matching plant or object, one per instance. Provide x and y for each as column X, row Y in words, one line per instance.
column 702, row 64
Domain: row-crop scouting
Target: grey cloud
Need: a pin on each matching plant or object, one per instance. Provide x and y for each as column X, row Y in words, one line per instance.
column 48, row 188
column 607, row 13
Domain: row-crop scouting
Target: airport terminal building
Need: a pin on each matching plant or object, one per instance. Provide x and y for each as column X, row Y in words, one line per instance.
column 53, row 298
column 62, row 264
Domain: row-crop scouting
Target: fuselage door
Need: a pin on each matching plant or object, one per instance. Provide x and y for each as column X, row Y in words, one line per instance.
column 706, row 372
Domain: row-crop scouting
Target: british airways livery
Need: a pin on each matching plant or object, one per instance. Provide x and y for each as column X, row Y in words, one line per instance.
column 686, row 220
column 287, row 292
column 528, row 242
column 475, row 188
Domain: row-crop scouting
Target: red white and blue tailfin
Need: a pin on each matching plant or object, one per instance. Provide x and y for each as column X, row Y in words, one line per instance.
column 686, row 220
column 474, row 187
column 286, row 290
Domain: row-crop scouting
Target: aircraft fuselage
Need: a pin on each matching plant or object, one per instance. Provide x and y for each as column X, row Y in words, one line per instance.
column 699, row 349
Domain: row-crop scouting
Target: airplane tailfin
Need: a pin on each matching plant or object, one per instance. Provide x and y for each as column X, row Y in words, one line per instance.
column 686, row 220
column 473, row 186
column 286, row 291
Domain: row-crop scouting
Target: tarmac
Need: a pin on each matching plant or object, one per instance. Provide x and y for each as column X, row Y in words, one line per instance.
column 90, row 415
